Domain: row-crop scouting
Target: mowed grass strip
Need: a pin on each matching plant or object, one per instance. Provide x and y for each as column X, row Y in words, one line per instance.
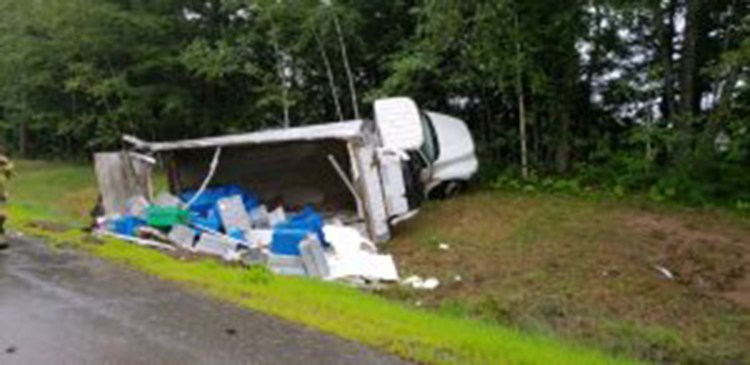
column 61, row 192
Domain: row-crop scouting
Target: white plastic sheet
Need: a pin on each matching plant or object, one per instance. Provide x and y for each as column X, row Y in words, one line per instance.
column 355, row 256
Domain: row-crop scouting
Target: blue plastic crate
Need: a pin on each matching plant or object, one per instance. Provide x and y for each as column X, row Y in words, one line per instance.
column 286, row 241
column 308, row 220
column 127, row 225
column 209, row 220
column 237, row 234
column 207, row 200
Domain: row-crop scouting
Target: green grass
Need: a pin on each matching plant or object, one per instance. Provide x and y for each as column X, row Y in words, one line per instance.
column 42, row 190
column 63, row 193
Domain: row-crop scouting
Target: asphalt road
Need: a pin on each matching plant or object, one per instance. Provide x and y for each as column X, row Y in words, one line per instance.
column 63, row 307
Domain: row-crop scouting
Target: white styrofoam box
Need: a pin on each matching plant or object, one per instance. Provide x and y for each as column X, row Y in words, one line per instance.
column 287, row 265
column 255, row 256
column 233, row 214
column 313, row 257
column 259, row 237
column 183, row 236
column 214, row 244
column 276, row 216
column 259, row 217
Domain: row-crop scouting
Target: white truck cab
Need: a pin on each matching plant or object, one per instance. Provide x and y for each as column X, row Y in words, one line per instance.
column 456, row 162
column 442, row 143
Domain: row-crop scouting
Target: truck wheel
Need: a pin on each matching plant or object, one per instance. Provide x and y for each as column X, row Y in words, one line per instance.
column 448, row 190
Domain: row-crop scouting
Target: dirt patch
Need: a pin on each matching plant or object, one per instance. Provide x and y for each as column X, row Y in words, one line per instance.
column 703, row 255
column 740, row 294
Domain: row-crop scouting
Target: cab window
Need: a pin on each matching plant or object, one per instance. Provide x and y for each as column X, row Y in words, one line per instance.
column 430, row 148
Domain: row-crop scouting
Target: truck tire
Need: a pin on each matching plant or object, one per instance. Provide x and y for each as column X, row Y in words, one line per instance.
column 448, row 190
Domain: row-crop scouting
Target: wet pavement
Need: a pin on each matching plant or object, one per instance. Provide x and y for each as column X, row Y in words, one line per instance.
column 64, row 307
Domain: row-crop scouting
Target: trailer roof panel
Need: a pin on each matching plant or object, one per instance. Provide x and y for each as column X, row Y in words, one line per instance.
column 339, row 130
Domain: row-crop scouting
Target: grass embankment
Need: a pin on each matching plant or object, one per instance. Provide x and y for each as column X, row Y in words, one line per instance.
column 589, row 269
column 60, row 193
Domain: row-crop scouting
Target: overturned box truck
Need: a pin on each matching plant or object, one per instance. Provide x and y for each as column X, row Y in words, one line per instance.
column 367, row 173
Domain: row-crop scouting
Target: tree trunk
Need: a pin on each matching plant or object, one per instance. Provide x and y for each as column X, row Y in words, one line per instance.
column 281, row 70
column 665, row 28
column 521, row 109
column 566, row 102
column 349, row 76
column 329, row 75
column 562, row 154
column 22, row 124
column 596, row 42
column 522, row 129
column 22, row 138
column 689, row 98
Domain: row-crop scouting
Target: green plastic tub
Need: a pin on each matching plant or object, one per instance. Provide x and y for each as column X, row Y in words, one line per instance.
column 165, row 217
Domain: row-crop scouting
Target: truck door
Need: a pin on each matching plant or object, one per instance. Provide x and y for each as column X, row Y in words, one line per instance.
column 121, row 176
column 401, row 132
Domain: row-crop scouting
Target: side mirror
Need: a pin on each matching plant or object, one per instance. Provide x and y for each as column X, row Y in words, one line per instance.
column 399, row 123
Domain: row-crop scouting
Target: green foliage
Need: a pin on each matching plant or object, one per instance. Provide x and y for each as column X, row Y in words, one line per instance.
column 704, row 184
column 211, row 63
column 75, row 75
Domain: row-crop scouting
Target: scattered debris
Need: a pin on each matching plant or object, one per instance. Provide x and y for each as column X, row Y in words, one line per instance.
column 138, row 241
column 347, row 240
column 182, row 236
column 287, row 265
column 355, row 256
column 231, row 223
column 314, row 258
column 233, row 214
column 213, row 244
column 259, row 237
column 255, row 257
column 277, row 216
column 667, row 274
column 444, row 246
column 136, row 206
column 232, row 256
column 416, row 282
column 259, row 217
